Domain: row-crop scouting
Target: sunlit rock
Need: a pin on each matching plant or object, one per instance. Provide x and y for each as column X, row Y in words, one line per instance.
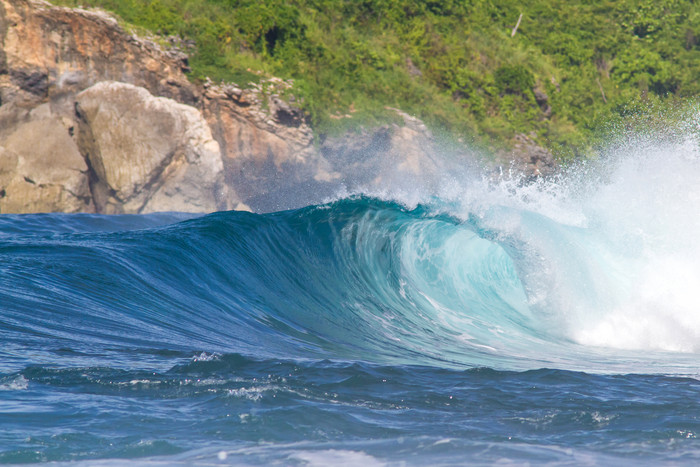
column 148, row 153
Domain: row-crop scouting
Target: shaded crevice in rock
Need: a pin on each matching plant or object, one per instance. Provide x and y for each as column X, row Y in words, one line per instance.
column 156, row 179
column 285, row 113
column 85, row 198
column 33, row 82
column 100, row 192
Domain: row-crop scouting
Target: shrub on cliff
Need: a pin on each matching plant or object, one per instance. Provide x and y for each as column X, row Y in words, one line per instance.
column 460, row 66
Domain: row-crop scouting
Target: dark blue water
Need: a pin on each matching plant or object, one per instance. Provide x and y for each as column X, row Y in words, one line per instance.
column 359, row 332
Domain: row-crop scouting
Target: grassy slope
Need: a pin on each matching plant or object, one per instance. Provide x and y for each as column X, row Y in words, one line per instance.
column 452, row 63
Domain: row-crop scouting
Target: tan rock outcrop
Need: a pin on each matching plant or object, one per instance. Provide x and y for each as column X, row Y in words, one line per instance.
column 388, row 157
column 268, row 147
column 148, row 153
column 527, row 159
column 41, row 169
column 49, row 53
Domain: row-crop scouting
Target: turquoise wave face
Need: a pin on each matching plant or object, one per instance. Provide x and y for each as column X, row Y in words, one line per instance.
column 356, row 279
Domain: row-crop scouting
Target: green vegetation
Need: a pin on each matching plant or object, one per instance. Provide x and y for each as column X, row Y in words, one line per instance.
column 570, row 66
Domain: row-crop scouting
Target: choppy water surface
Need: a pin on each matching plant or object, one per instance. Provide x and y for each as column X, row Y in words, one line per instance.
column 488, row 322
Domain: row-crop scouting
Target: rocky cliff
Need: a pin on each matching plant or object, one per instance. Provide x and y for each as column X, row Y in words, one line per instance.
column 95, row 119
column 74, row 140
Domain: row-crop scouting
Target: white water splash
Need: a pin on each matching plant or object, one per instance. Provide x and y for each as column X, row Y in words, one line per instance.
column 609, row 252
column 16, row 383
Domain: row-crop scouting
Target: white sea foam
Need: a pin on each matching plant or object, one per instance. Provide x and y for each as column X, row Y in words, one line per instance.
column 17, row 383
column 336, row 457
column 609, row 252
column 254, row 393
column 649, row 215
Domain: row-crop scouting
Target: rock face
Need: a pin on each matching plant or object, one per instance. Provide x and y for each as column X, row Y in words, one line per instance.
column 51, row 52
column 41, row 169
column 71, row 140
column 268, row 148
column 147, row 153
column 52, row 58
column 385, row 157
column 94, row 119
column 531, row 159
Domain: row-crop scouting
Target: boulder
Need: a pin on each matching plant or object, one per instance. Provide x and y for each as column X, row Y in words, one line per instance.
column 147, row 153
column 41, row 169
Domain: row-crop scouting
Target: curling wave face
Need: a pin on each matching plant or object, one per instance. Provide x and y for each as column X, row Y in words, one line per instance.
column 495, row 274
column 609, row 252
column 354, row 279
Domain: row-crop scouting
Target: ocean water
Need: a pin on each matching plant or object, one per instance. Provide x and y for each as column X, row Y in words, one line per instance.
column 463, row 321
